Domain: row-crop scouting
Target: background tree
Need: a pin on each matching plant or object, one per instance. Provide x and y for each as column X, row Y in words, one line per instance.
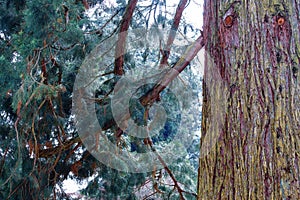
column 43, row 44
column 250, row 125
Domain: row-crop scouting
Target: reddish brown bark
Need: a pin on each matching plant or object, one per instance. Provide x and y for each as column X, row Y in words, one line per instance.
column 251, row 106
column 177, row 18
column 168, row 77
column 121, row 43
column 183, row 62
column 86, row 4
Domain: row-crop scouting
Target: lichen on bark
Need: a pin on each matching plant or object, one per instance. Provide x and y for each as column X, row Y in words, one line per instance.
column 252, row 88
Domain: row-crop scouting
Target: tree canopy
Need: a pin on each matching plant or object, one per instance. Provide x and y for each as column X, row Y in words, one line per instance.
column 46, row 46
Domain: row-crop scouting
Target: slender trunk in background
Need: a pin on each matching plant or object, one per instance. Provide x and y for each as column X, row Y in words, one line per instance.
column 250, row 147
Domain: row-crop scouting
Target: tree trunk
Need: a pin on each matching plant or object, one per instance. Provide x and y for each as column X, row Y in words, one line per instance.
column 250, row 147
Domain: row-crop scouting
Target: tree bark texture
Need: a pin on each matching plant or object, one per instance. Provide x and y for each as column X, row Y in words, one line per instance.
column 250, row 147
column 121, row 43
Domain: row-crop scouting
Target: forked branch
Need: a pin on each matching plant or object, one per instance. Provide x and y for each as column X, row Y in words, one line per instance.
column 183, row 62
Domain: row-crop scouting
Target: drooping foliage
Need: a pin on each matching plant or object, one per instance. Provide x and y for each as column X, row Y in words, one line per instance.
column 43, row 45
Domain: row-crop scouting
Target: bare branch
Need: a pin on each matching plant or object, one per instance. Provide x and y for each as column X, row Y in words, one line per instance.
column 151, row 95
column 45, row 153
column 183, row 62
column 120, row 48
column 176, row 184
column 166, row 51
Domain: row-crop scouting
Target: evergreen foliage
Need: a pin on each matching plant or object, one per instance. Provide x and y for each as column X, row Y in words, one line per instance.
column 43, row 44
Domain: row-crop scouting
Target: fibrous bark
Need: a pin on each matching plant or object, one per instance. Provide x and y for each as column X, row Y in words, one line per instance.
column 251, row 111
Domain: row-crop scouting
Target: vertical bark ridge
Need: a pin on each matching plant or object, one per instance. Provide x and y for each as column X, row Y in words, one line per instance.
column 250, row 124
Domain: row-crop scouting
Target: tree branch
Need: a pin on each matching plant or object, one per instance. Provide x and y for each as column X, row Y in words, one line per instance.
column 151, row 96
column 45, row 153
column 176, row 184
column 183, row 62
column 120, row 48
column 172, row 34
